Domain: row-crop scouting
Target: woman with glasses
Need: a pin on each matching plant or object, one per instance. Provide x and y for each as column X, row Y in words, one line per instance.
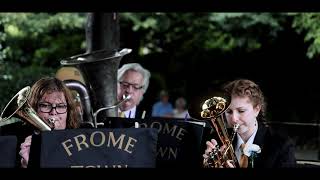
column 54, row 103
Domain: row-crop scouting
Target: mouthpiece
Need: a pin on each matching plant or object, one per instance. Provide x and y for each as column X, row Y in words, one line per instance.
column 51, row 121
column 126, row 97
column 236, row 127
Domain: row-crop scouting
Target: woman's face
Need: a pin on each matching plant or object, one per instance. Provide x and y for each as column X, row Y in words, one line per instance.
column 53, row 105
column 242, row 112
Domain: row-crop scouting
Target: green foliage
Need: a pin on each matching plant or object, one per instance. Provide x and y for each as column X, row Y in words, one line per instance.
column 243, row 30
column 191, row 31
column 225, row 32
column 32, row 45
column 309, row 24
column 40, row 38
column 13, row 78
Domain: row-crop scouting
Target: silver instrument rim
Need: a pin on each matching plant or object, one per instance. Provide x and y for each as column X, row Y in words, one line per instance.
column 23, row 90
column 80, row 59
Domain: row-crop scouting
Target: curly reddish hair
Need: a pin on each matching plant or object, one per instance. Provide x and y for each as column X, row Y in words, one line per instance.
column 247, row 88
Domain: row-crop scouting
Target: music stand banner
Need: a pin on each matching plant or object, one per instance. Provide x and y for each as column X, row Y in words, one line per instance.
column 180, row 142
column 95, row 148
column 8, row 149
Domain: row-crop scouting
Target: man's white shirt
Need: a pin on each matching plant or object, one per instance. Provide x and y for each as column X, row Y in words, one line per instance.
column 131, row 113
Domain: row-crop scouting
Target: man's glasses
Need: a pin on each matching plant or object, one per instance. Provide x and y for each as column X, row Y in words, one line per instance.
column 47, row 107
column 127, row 85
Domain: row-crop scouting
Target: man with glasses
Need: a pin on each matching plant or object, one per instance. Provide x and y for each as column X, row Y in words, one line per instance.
column 133, row 80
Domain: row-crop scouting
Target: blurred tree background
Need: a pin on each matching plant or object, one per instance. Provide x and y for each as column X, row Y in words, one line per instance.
column 187, row 53
column 32, row 44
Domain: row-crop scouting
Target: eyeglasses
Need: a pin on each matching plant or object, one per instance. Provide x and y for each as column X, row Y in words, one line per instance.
column 47, row 107
column 127, row 85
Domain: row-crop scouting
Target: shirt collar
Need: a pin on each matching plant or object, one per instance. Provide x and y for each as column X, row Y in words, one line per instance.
column 250, row 140
column 131, row 113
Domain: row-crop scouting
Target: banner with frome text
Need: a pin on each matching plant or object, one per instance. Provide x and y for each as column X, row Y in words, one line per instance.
column 180, row 142
column 90, row 148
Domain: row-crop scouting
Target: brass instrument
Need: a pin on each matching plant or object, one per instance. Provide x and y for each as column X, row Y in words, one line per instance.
column 213, row 109
column 84, row 99
column 19, row 105
column 124, row 98
column 99, row 69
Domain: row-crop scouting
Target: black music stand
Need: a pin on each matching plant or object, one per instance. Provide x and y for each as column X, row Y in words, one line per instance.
column 180, row 142
column 8, row 149
column 100, row 148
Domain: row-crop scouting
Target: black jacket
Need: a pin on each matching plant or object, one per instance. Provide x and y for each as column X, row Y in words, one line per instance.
column 277, row 150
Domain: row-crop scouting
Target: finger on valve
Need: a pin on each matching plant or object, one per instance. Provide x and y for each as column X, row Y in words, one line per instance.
column 211, row 144
column 230, row 164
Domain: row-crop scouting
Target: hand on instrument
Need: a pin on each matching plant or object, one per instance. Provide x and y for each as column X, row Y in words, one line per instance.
column 212, row 152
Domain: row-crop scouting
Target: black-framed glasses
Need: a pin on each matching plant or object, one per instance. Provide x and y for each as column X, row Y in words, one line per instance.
column 127, row 85
column 61, row 108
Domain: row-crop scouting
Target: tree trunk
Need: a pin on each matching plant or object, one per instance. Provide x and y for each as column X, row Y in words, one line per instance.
column 102, row 33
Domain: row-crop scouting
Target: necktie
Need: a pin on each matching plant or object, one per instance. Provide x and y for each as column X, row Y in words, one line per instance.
column 243, row 158
column 121, row 114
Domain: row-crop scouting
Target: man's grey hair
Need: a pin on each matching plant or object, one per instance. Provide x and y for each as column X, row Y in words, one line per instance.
column 135, row 67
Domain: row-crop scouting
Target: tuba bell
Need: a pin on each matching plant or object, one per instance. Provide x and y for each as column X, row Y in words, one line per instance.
column 213, row 109
column 19, row 105
column 99, row 69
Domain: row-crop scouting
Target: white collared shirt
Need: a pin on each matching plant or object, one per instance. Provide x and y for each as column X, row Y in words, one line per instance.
column 131, row 113
column 240, row 141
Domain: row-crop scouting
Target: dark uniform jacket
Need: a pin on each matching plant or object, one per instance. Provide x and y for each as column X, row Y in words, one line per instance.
column 277, row 150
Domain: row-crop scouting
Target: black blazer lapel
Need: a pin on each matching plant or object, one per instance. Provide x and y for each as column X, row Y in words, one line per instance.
column 261, row 139
column 258, row 140
column 139, row 113
column 260, row 136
